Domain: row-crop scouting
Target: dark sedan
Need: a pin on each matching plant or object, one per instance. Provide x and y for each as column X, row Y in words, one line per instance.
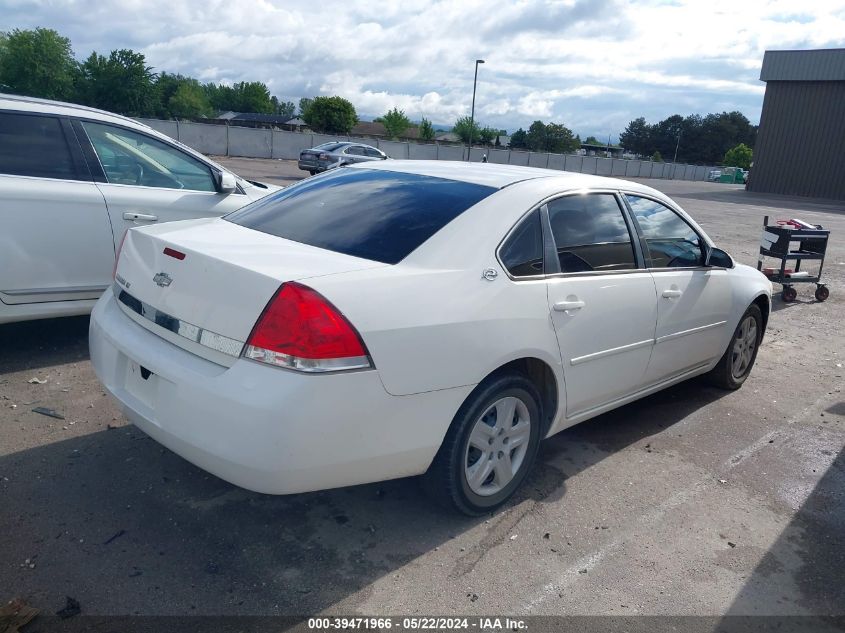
column 337, row 154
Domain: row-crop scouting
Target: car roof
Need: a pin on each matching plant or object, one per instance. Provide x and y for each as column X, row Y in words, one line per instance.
column 358, row 144
column 60, row 108
column 499, row 176
column 48, row 106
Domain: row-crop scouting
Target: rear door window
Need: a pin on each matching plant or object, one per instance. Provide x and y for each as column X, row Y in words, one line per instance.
column 34, row 146
column 373, row 214
column 591, row 234
column 672, row 243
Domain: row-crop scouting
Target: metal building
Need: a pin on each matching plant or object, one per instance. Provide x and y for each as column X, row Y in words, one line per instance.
column 800, row 147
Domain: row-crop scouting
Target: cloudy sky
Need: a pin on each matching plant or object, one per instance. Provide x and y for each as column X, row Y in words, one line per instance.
column 591, row 64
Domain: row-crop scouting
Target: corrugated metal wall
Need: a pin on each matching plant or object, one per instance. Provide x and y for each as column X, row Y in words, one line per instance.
column 825, row 64
column 800, row 148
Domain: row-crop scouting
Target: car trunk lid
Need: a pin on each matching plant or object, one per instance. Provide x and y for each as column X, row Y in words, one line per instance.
column 204, row 283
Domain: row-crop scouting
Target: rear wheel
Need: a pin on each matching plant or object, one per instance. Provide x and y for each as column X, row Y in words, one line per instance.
column 822, row 293
column 489, row 447
column 789, row 294
column 736, row 363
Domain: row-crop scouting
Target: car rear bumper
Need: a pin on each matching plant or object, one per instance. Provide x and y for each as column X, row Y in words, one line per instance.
column 314, row 165
column 262, row 428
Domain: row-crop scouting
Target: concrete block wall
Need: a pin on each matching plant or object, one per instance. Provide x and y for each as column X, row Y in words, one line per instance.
column 216, row 141
column 224, row 140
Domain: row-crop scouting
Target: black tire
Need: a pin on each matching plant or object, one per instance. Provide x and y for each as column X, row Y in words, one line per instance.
column 312, row 172
column 822, row 293
column 723, row 374
column 789, row 294
column 446, row 479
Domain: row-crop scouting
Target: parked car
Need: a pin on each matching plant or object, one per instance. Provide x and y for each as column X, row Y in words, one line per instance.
column 714, row 174
column 410, row 317
column 337, row 154
column 72, row 180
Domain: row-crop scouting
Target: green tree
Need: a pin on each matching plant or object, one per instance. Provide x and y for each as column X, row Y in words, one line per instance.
column 37, row 63
column 554, row 137
column 285, row 109
column 656, row 157
column 739, row 156
column 181, row 97
column 221, row 97
column 487, row 135
column 665, row 135
column 304, row 104
column 462, row 129
column 426, row 130
column 637, row 137
column 334, row 115
column 592, row 140
column 244, row 96
column 519, row 139
column 188, row 102
column 395, row 122
column 253, row 96
column 121, row 82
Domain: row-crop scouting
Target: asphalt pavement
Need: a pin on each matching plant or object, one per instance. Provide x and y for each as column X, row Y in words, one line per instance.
column 694, row 501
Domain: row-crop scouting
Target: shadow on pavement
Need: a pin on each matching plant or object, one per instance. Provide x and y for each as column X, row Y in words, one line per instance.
column 806, row 561
column 43, row 343
column 126, row 526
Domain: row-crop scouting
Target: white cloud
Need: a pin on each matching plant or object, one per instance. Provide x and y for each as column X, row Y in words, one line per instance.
column 591, row 64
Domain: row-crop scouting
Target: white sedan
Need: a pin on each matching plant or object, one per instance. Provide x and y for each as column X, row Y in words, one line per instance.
column 413, row 317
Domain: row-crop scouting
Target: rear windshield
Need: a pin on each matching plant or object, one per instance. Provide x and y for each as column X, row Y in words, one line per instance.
column 329, row 147
column 368, row 213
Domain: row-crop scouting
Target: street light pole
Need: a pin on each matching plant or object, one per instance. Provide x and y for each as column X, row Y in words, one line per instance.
column 472, row 113
column 675, row 159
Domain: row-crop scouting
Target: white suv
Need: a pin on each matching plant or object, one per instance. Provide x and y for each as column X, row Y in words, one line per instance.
column 72, row 181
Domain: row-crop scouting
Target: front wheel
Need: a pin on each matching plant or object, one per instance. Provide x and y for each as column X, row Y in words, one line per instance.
column 489, row 447
column 736, row 363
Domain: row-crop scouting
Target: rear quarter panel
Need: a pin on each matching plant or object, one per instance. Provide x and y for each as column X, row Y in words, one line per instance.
column 433, row 322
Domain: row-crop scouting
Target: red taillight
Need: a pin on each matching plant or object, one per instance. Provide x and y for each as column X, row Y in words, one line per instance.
column 299, row 329
column 117, row 256
column 172, row 252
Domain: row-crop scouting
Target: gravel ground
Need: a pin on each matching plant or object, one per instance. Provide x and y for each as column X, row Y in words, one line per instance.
column 692, row 501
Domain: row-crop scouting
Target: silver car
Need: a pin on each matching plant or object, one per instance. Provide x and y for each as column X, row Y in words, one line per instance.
column 337, row 154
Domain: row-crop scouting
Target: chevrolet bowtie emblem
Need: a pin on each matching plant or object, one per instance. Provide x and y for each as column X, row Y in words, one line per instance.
column 163, row 279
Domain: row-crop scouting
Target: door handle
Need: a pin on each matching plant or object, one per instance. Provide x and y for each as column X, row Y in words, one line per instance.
column 672, row 294
column 564, row 306
column 144, row 217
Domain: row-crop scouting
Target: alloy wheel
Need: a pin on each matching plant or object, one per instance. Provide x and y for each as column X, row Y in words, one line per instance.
column 497, row 446
column 745, row 344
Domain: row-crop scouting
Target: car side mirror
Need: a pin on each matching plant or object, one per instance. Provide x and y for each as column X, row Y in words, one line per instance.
column 226, row 182
column 718, row 258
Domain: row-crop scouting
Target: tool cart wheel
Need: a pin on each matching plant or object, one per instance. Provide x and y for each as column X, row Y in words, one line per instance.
column 789, row 294
column 822, row 293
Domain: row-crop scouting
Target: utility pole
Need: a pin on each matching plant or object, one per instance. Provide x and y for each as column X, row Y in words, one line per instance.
column 472, row 112
column 675, row 159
